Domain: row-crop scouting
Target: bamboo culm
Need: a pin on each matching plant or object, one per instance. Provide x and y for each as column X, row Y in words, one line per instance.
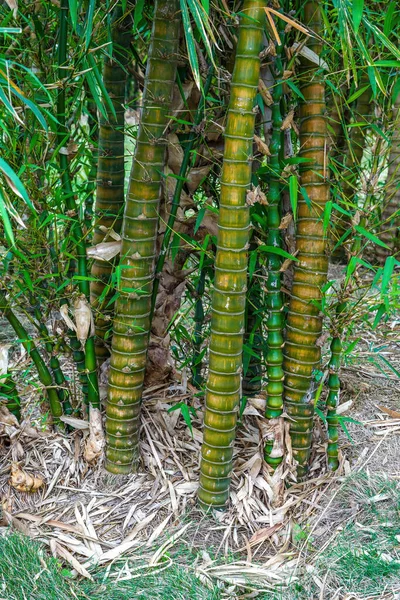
column 43, row 372
column 139, row 234
column 77, row 236
column 8, row 390
column 274, row 299
column 110, row 197
column 304, row 322
column 229, row 295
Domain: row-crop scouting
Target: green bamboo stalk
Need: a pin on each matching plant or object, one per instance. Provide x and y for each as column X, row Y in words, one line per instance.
column 76, row 233
column 29, row 345
column 390, row 224
column 139, row 235
column 333, row 401
column 62, row 388
column 304, row 322
column 274, row 299
column 229, row 296
column 110, row 197
column 252, row 375
column 8, row 390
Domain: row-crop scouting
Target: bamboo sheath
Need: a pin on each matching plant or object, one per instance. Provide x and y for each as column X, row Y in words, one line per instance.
column 229, row 296
column 390, row 228
column 139, row 234
column 304, row 322
column 275, row 320
column 110, row 198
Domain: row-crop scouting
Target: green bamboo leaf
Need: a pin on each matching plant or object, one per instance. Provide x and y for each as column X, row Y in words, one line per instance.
column 199, row 219
column 357, row 94
column 138, row 14
column 32, row 106
column 6, row 220
column 388, row 26
column 382, row 37
column 294, row 88
column 358, row 8
column 293, row 193
column 387, row 63
column 94, row 92
column 89, row 23
column 15, row 183
column 206, row 5
column 372, row 78
column 327, row 214
column 387, row 272
column 379, row 314
column 190, row 43
column 73, row 11
column 252, row 263
column 274, row 250
column 100, row 82
column 370, row 236
column 201, row 19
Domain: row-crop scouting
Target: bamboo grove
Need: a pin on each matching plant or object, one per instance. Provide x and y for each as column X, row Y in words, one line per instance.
column 263, row 150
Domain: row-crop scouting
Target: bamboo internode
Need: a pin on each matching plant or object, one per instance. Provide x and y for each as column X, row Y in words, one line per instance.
column 229, row 296
column 139, row 234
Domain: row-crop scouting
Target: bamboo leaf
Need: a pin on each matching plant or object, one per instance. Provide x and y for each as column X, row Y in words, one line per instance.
column 293, row 193
column 201, row 19
column 387, row 272
column 6, row 220
column 100, row 82
column 190, row 43
column 382, row 37
column 357, row 94
column 138, row 14
column 15, row 183
column 73, row 11
column 370, row 236
column 295, row 89
column 387, row 26
column 276, row 250
column 358, row 8
column 89, row 23
column 327, row 214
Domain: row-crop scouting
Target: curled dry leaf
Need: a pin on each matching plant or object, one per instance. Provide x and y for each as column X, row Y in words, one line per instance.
column 288, row 120
column 256, row 195
column 66, row 318
column 104, row 251
column 23, row 481
column 262, row 146
column 175, row 153
column 265, row 93
column 83, row 319
column 95, row 442
column 110, row 233
column 286, row 220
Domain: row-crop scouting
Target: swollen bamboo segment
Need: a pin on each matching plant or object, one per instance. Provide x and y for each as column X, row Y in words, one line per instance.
column 229, row 297
column 110, row 175
column 133, row 307
column 273, row 286
column 304, row 322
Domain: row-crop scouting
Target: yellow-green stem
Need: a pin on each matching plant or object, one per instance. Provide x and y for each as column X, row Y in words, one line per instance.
column 139, row 234
column 229, row 296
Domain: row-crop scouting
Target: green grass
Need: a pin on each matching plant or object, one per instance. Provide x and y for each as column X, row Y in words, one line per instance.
column 27, row 572
column 363, row 558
